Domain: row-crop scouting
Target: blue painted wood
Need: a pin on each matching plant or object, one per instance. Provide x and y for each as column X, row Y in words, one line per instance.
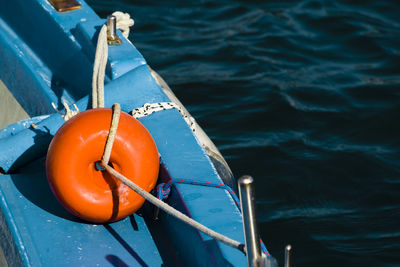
column 39, row 73
column 15, row 128
column 24, row 73
column 29, row 144
column 123, row 58
column 213, row 207
column 48, row 235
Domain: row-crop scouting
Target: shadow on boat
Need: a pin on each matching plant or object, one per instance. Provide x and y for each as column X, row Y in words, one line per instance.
column 35, row 188
column 31, row 180
column 41, row 138
column 115, row 260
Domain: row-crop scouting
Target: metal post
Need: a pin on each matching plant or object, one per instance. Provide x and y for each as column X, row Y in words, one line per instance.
column 252, row 239
column 112, row 36
column 111, row 27
column 288, row 249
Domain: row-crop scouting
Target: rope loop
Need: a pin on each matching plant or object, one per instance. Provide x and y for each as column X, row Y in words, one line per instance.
column 124, row 22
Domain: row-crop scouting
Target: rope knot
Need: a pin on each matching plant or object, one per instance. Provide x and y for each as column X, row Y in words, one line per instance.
column 69, row 113
column 124, row 22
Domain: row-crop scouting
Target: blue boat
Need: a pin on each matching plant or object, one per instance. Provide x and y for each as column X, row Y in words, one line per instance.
column 47, row 50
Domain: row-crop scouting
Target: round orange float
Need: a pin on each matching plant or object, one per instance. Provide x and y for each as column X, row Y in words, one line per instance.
column 92, row 194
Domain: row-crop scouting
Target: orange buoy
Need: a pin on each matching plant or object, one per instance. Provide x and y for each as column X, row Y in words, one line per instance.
column 92, row 194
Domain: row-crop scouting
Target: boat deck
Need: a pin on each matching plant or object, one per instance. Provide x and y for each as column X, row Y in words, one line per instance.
column 35, row 217
column 36, row 230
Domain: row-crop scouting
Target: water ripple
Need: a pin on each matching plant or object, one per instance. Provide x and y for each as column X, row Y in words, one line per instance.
column 303, row 95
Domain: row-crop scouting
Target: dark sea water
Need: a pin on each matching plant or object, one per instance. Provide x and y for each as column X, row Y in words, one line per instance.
column 305, row 97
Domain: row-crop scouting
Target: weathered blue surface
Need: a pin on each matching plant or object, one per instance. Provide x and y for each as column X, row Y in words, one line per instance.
column 211, row 206
column 15, row 128
column 28, row 144
column 60, row 69
column 49, row 235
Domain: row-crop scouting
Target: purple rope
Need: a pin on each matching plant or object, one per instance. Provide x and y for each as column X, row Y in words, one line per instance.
column 164, row 189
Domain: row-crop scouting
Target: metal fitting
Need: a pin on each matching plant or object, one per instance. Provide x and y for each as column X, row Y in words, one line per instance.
column 288, row 250
column 112, row 37
column 250, row 227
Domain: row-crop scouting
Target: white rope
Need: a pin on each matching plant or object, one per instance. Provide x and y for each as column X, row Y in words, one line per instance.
column 124, row 22
column 100, row 61
column 177, row 214
column 148, row 109
column 69, row 113
column 116, row 111
column 149, row 197
column 99, row 69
